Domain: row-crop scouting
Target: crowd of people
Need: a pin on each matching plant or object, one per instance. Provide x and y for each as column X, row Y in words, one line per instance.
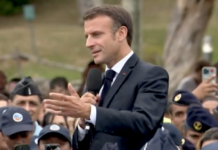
column 22, row 99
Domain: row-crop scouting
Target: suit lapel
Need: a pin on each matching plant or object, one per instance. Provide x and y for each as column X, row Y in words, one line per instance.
column 122, row 76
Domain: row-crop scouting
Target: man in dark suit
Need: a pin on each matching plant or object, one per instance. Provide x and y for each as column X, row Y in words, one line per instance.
column 133, row 97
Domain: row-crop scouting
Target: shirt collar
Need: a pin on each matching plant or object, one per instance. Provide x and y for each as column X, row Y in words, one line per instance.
column 37, row 128
column 119, row 65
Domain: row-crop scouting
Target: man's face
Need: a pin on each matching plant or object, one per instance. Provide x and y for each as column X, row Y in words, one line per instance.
column 178, row 115
column 210, row 105
column 61, row 90
column 17, row 139
column 31, row 104
column 3, row 103
column 64, row 145
column 101, row 39
column 193, row 136
column 3, row 145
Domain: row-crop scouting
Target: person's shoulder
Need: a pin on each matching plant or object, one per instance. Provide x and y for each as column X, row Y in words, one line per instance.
column 151, row 68
column 187, row 79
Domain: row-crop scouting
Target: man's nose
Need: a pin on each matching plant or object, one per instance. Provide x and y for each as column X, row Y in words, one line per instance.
column 184, row 118
column 89, row 42
column 27, row 107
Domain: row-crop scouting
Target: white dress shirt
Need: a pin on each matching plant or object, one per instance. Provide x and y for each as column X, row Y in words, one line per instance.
column 117, row 68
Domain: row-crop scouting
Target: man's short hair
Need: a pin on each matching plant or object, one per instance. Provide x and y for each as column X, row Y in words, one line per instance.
column 16, row 80
column 60, row 82
column 3, row 97
column 118, row 14
column 200, row 64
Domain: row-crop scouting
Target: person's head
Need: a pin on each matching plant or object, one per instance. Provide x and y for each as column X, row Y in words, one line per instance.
column 198, row 121
column 3, row 100
column 109, row 33
column 208, row 137
column 12, row 83
column 54, row 135
column 27, row 95
column 59, row 85
column 174, row 134
column 178, row 107
column 17, row 127
column 3, row 80
column 210, row 104
column 90, row 65
column 55, row 119
column 198, row 67
column 3, row 145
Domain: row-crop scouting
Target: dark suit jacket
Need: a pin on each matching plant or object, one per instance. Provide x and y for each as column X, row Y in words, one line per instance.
column 132, row 110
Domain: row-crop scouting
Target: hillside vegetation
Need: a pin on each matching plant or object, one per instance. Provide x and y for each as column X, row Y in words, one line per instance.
column 59, row 37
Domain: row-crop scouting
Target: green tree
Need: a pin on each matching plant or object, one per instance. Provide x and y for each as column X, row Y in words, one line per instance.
column 8, row 7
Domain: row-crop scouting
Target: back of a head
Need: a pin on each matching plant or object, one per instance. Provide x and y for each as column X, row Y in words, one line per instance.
column 59, row 82
column 161, row 141
column 119, row 15
column 211, row 134
column 200, row 64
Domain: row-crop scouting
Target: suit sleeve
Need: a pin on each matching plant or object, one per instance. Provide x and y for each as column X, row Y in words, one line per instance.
column 148, row 111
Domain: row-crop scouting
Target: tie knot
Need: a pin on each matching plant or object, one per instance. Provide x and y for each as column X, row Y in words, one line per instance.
column 110, row 74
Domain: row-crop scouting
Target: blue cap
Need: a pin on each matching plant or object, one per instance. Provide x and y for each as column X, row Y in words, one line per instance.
column 26, row 87
column 161, row 141
column 2, row 109
column 199, row 119
column 184, row 98
column 174, row 133
column 188, row 145
column 212, row 146
column 53, row 128
column 16, row 119
column 34, row 143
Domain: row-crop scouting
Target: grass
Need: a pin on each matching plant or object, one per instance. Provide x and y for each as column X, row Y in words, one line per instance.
column 59, row 37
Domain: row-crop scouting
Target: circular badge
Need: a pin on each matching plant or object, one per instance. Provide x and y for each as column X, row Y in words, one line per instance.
column 177, row 97
column 17, row 117
column 54, row 127
column 197, row 126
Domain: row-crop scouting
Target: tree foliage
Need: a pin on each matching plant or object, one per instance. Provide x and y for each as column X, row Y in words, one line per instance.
column 8, row 7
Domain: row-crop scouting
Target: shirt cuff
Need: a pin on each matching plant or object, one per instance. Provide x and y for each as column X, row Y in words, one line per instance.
column 92, row 115
column 82, row 133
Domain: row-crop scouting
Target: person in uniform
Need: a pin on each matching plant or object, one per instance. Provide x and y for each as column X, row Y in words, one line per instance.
column 26, row 94
column 53, row 137
column 198, row 121
column 178, row 106
column 17, row 128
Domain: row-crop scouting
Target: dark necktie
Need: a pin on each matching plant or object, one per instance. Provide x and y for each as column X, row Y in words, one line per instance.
column 110, row 74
